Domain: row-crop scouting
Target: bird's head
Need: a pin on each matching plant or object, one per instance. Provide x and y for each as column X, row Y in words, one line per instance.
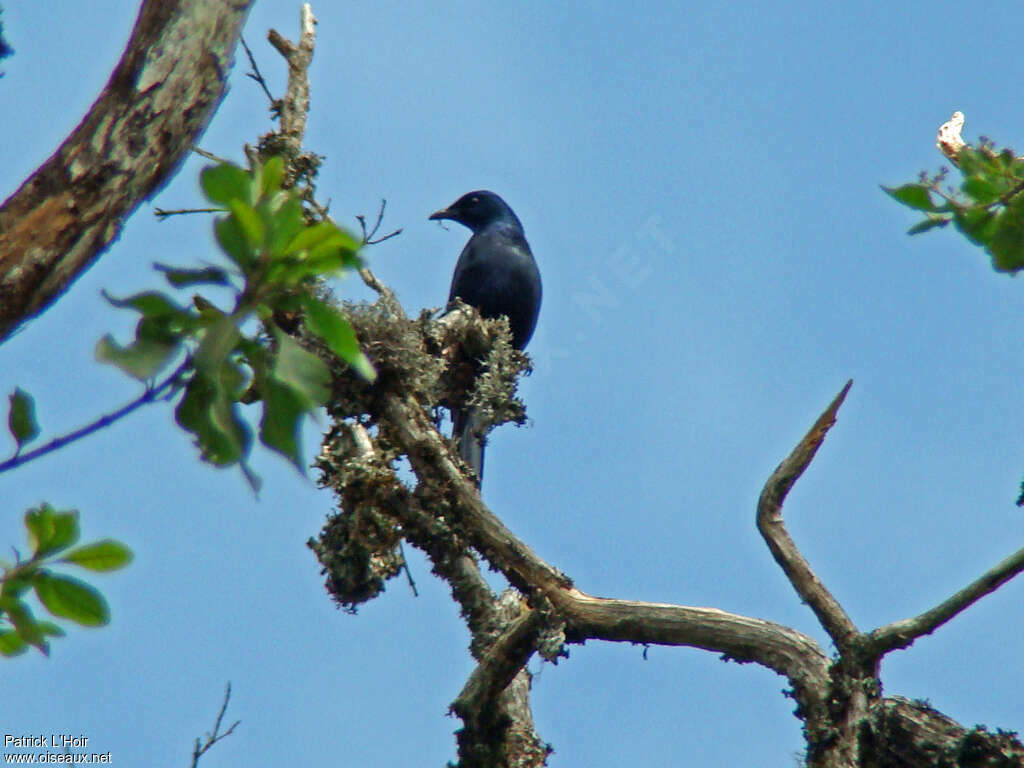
column 478, row 209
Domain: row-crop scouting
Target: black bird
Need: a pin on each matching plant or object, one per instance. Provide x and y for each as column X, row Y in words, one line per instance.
column 496, row 273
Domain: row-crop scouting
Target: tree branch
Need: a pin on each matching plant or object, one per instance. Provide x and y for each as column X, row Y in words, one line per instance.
column 295, row 104
column 902, row 634
column 502, row 662
column 777, row 647
column 773, row 528
column 165, row 89
column 202, row 747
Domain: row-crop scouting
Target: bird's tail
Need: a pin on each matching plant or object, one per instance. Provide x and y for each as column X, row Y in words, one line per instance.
column 467, row 430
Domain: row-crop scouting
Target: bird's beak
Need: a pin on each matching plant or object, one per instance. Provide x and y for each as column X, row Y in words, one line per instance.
column 444, row 213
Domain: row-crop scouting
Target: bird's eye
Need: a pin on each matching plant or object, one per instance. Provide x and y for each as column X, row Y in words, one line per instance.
column 474, row 200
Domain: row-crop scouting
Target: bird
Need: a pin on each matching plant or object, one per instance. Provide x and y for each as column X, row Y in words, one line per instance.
column 497, row 274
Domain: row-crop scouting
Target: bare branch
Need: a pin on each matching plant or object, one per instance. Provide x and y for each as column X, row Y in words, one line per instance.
column 162, row 213
column 902, row 634
column 295, row 104
column 209, row 155
column 368, row 237
column 741, row 638
column 169, row 82
column 201, row 747
column 255, row 74
column 772, row 527
column 782, row 649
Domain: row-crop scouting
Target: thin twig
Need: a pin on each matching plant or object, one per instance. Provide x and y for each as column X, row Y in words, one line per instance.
column 210, row 739
column 902, row 634
column 830, row 613
column 208, row 155
column 162, row 214
column 151, row 394
column 368, row 237
column 388, row 236
column 408, row 573
column 256, row 75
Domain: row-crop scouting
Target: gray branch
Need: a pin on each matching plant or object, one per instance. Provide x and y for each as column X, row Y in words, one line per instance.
column 902, row 634
column 773, row 528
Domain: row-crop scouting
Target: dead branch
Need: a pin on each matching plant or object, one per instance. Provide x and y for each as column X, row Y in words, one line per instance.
column 162, row 94
column 201, row 747
column 773, row 528
column 784, row 650
column 295, row 104
column 902, row 634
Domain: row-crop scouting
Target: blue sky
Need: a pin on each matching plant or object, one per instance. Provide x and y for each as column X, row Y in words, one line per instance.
column 700, row 185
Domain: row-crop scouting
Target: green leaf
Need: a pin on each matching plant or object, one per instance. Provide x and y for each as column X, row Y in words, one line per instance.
column 105, row 555
column 271, row 175
column 283, row 410
column 142, row 359
column 13, row 587
column 7, row 601
column 11, row 643
column 974, row 161
column 233, row 242
column 982, row 189
column 226, row 183
column 327, row 323
column 915, row 196
column 249, row 222
column 297, row 382
column 219, row 340
column 301, row 371
column 50, row 629
column 318, row 233
column 924, row 226
column 284, row 224
column 25, row 624
column 21, row 418
column 211, row 415
column 72, row 599
column 334, row 254
column 50, row 530
column 1006, row 242
column 184, row 277
column 975, row 223
column 149, row 303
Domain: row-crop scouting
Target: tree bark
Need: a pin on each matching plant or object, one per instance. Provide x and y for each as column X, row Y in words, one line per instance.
column 157, row 103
